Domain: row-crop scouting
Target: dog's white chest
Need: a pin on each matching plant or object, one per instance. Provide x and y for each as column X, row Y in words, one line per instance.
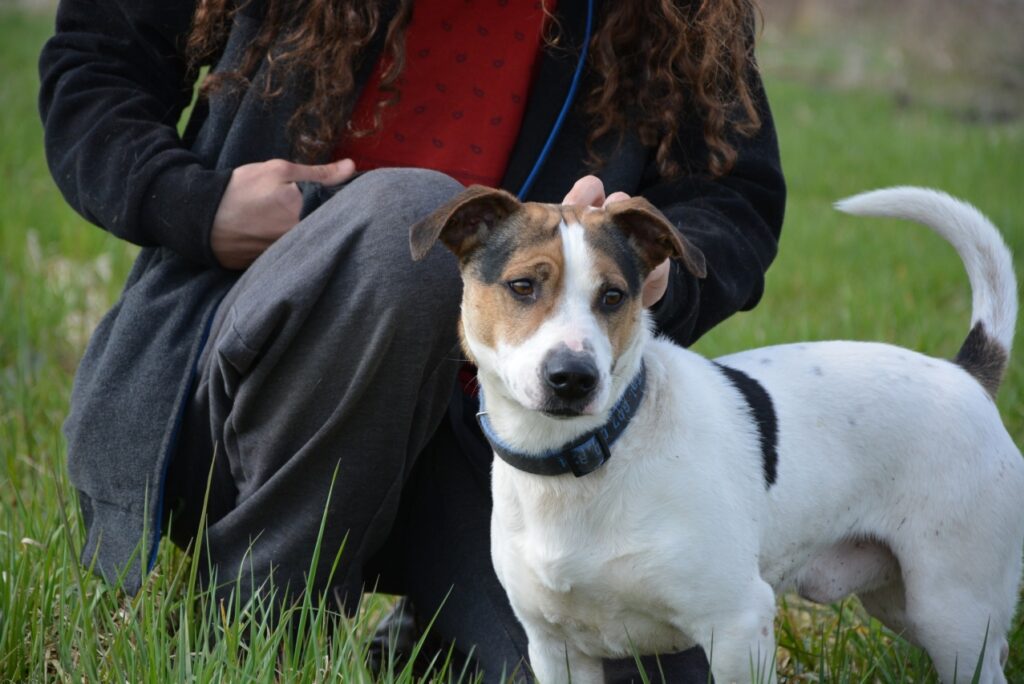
column 595, row 581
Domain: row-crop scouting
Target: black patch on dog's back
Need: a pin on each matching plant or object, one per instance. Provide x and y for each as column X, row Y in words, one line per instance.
column 983, row 357
column 763, row 412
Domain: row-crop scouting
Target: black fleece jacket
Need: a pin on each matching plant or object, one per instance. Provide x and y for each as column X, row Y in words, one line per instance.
column 114, row 85
column 115, row 82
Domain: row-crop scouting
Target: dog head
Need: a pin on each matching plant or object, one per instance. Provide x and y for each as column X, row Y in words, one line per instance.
column 552, row 301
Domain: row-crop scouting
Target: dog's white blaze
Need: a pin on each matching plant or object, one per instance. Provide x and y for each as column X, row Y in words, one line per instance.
column 572, row 323
column 573, row 318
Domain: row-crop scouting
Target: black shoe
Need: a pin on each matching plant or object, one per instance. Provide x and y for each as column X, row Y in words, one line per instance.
column 400, row 637
column 394, row 640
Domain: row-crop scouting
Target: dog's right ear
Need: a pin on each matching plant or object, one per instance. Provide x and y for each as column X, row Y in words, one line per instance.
column 463, row 223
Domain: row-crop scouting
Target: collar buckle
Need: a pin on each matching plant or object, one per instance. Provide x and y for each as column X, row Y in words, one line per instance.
column 589, row 456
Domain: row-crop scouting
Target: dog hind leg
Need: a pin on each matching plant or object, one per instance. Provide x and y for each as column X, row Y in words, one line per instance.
column 962, row 577
column 955, row 636
column 961, row 623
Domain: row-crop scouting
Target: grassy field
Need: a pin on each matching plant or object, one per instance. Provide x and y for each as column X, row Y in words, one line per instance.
column 836, row 277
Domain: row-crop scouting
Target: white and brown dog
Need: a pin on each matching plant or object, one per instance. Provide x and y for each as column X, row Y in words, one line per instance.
column 831, row 468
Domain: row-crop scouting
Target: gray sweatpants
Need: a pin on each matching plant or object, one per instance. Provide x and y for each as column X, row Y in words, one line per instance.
column 333, row 359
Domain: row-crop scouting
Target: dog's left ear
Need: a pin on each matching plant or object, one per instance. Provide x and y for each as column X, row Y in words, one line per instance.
column 654, row 235
column 463, row 223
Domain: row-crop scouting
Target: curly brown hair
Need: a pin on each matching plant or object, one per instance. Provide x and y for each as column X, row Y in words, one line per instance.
column 662, row 56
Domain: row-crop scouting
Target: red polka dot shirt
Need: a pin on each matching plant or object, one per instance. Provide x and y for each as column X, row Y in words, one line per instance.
column 469, row 66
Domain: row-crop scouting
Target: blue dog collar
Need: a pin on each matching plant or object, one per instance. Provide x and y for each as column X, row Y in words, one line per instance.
column 582, row 455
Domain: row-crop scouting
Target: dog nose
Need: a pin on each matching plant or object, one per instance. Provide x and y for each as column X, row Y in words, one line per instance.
column 570, row 376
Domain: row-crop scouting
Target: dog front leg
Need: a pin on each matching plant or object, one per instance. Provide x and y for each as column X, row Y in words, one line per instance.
column 743, row 658
column 740, row 644
column 557, row 663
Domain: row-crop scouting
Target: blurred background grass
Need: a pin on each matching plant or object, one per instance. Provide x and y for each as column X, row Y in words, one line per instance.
column 865, row 94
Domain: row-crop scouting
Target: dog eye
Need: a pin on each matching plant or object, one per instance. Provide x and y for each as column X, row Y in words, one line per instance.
column 612, row 298
column 522, row 287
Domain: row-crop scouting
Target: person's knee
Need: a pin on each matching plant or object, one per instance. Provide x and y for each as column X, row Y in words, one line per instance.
column 402, row 195
column 398, row 179
column 380, row 207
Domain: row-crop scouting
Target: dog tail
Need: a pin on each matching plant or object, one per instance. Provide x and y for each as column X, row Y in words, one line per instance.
column 986, row 351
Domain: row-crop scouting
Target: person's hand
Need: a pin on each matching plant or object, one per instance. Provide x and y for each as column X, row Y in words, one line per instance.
column 589, row 192
column 656, row 283
column 262, row 203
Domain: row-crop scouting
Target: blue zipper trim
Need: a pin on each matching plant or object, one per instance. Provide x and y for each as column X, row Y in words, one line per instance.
column 179, row 420
column 546, row 150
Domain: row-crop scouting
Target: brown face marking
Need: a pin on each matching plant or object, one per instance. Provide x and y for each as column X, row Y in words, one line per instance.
column 528, row 225
column 526, row 246
column 620, row 323
column 617, row 265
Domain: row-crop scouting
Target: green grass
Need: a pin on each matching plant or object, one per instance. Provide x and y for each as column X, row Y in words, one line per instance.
column 836, row 277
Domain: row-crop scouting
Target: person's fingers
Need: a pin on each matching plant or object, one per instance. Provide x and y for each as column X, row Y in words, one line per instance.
column 587, row 192
column 325, row 174
column 289, row 197
column 615, row 197
column 656, row 284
